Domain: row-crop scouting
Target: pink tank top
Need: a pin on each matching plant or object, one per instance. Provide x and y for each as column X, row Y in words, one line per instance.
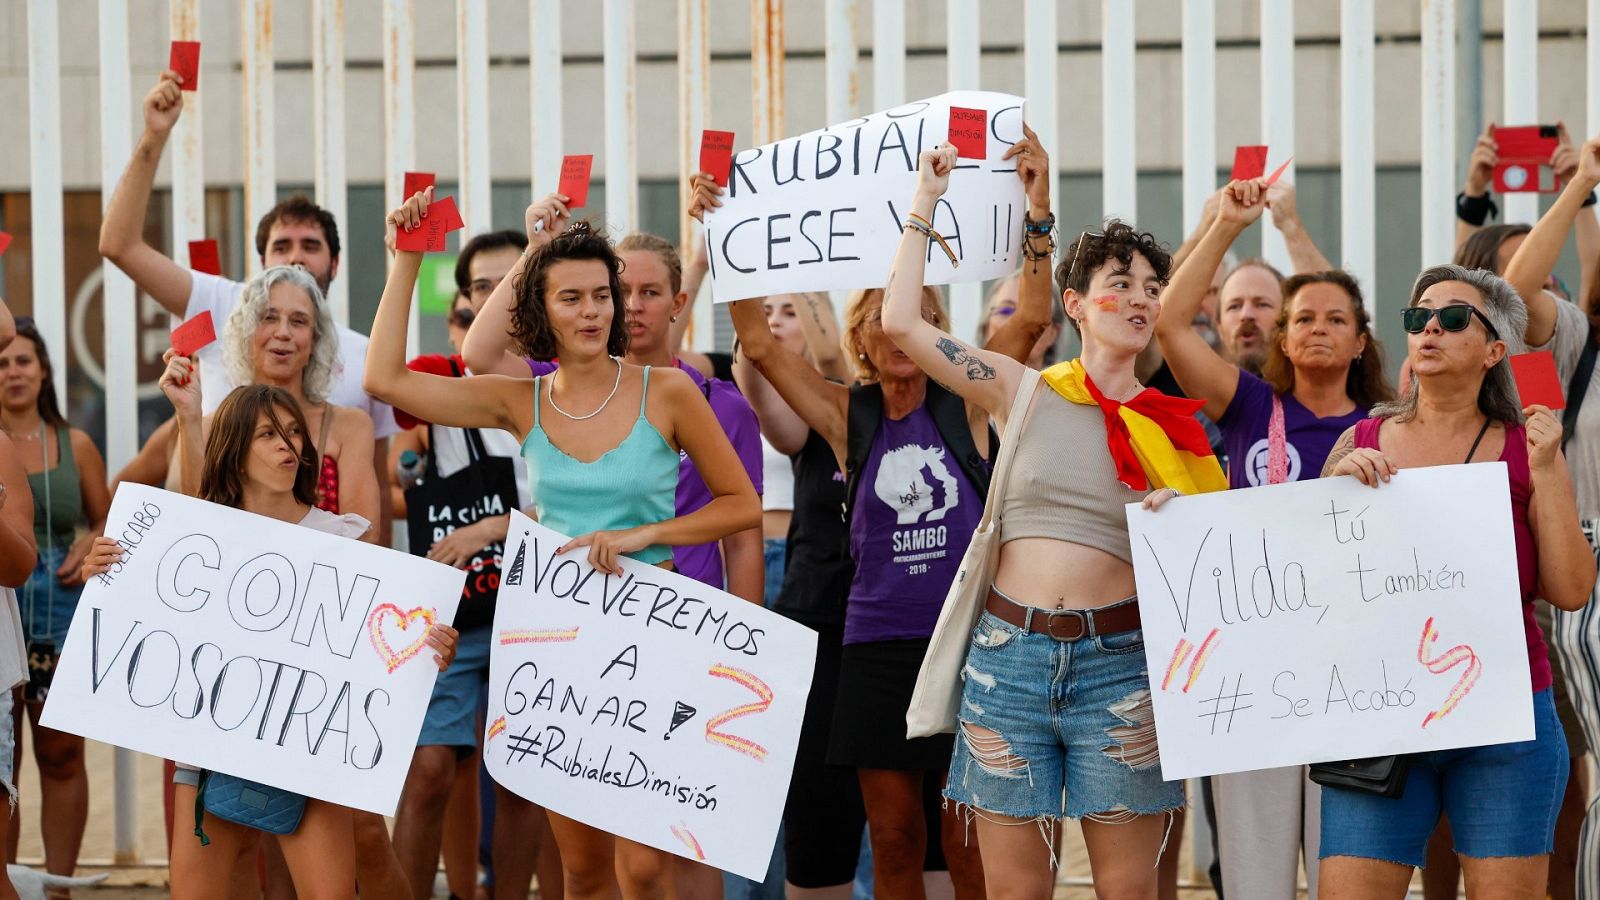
column 1515, row 456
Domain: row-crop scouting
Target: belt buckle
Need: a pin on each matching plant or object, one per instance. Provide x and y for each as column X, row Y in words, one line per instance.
column 1068, row 614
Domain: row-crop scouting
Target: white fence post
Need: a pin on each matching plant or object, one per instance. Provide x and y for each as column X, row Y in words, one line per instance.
column 961, row 38
column 1119, row 194
column 694, row 114
column 46, row 224
column 1039, row 48
column 622, row 152
column 327, row 88
column 1593, row 68
column 544, row 43
column 472, row 108
column 888, row 55
column 766, row 64
column 399, row 122
column 1357, row 154
column 1438, row 131
column 1199, row 109
column 260, row 124
column 1277, row 108
column 1521, row 74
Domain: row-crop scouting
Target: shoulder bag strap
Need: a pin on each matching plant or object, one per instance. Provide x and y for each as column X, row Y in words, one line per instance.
column 1277, row 444
column 1578, row 387
column 1026, row 388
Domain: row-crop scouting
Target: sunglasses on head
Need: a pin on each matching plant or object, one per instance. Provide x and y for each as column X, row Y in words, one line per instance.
column 1455, row 317
column 462, row 317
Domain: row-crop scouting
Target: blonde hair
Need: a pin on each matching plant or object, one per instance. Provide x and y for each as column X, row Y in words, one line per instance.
column 863, row 305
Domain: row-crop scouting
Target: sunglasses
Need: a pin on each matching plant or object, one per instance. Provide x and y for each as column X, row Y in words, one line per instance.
column 462, row 317
column 1078, row 250
column 1455, row 317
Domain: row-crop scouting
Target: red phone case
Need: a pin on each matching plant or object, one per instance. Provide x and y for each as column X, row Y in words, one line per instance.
column 1524, row 152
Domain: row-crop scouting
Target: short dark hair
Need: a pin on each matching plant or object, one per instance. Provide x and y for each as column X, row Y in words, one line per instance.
column 1119, row 241
column 1366, row 383
column 233, row 430
column 530, row 321
column 298, row 208
column 489, row 240
column 1482, row 249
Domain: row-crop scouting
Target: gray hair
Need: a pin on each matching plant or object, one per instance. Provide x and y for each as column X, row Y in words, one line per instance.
column 317, row 379
column 1505, row 309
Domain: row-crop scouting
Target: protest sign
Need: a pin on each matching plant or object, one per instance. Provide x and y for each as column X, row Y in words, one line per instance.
column 1324, row 620
column 647, row 705
column 824, row 211
column 254, row 647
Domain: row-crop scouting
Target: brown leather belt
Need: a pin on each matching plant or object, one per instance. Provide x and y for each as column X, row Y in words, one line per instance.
column 1064, row 624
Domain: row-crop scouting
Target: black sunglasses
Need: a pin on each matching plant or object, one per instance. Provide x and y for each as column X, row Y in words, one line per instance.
column 462, row 317
column 1455, row 317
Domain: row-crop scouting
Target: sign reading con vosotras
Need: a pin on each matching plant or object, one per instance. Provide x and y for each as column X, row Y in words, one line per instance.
column 255, row 647
column 824, row 210
column 647, row 705
column 1323, row 620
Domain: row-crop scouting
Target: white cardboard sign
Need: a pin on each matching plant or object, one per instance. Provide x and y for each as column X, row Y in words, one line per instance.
column 1325, row 620
column 824, row 211
column 254, row 647
column 648, row 705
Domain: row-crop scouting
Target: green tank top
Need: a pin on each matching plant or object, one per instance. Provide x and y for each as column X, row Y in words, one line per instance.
column 57, row 496
column 633, row 483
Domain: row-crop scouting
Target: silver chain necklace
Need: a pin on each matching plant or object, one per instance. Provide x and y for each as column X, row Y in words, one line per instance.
column 614, row 385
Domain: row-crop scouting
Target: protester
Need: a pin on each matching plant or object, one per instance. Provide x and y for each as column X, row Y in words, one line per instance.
column 241, row 463
column 18, row 554
column 1462, row 406
column 607, row 475
column 67, row 478
column 441, row 787
column 1567, row 331
column 1323, row 371
column 884, row 433
column 295, row 232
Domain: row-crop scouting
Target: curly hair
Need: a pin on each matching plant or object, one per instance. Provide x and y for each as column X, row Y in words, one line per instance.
column 1119, row 241
column 867, row 306
column 1505, row 309
column 530, row 320
column 1366, row 382
column 317, row 377
column 233, row 431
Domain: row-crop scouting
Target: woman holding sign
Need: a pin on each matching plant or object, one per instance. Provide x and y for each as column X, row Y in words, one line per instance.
column 1056, row 719
column 256, row 457
column 1501, row 800
column 601, row 438
column 915, row 457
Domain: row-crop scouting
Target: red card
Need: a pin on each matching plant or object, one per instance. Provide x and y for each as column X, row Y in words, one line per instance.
column 1537, row 381
column 5, row 241
column 969, row 130
column 203, row 257
column 415, row 181
column 1278, row 172
column 1249, row 161
column 189, row 337
column 1524, row 158
column 716, row 154
column 185, row 60
column 442, row 218
column 575, row 180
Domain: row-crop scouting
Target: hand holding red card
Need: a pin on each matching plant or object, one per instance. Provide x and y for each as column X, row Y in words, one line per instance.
column 185, row 60
column 575, row 179
column 1537, row 381
column 415, row 182
column 1249, row 161
column 429, row 237
column 1278, row 172
column 969, row 129
column 189, row 337
column 716, row 155
column 203, row 257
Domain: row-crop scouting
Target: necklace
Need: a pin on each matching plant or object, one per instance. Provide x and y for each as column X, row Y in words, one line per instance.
column 614, row 385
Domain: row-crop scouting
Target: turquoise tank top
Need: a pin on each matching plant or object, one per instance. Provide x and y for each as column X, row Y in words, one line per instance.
column 633, row 483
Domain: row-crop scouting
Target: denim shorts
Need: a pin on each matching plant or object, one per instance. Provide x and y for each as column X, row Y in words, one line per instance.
column 1066, row 728
column 1501, row 800
column 452, row 716
column 46, row 604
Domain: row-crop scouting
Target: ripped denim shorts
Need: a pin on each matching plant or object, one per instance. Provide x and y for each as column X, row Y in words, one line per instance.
column 1051, row 729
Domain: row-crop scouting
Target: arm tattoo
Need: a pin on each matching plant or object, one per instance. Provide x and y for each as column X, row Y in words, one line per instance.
column 977, row 369
column 1345, row 447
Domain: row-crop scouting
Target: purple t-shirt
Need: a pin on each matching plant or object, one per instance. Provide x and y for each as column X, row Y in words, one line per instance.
column 1308, row 439
column 914, row 515
column 703, row 562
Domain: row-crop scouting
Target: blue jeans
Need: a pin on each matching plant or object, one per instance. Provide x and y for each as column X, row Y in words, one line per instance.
column 1501, row 800
column 775, row 554
column 1051, row 729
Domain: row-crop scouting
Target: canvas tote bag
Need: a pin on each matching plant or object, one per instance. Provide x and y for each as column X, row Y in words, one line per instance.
column 937, row 696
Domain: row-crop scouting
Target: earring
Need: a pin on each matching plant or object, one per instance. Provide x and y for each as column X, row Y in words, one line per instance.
column 672, row 318
column 862, row 356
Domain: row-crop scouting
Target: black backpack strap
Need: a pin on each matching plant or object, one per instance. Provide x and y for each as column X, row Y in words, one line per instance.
column 949, row 413
column 864, row 416
column 1579, row 386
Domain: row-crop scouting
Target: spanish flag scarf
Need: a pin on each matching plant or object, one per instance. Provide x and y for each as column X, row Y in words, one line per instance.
column 1155, row 440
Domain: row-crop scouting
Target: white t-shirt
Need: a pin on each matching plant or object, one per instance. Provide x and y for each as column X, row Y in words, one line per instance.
column 777, row 479
column 451, row 456
column 220, row 296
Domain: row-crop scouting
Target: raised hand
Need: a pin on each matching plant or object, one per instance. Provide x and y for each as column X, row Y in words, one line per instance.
column 1544, row 436
column 163, row 104
column 704, row 195
column 180, row 381
column 1242, row 202
column 933, row 169
column 1588, row 162
column 1480, row 168
column 409, row 216
column 1281, row 200
column 546, row 218
column 1033, row 167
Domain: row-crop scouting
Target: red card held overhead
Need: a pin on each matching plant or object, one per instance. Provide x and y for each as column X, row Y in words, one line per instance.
column 969, row 131
column 716, row 155
column 203, row 257
column 1249, row 161
column 1278, row 172
column 189, row 337
column 5, row 241
column 1537, row 381
column 185, row 60
column 415, row 181
column 575, row 180
column 429, row 236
